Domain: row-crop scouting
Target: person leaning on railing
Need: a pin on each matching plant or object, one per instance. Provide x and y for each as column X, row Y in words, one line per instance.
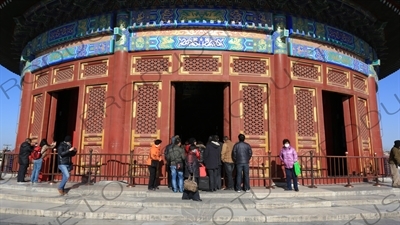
column 394, row 162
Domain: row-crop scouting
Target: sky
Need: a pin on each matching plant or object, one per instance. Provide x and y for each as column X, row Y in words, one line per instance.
column 388, row 97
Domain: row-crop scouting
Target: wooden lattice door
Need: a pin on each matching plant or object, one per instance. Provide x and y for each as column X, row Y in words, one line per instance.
column 254, row 125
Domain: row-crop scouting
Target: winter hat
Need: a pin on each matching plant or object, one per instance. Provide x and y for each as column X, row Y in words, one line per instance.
column 68, row 139
column 397, row 143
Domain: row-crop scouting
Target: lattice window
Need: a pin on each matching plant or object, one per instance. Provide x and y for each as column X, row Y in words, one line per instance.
column 359, row 83
column 147, row 109
column 200, row 64
column 338, row 77
column 305, row 71
column 64, row 74
column 363, row 118
column 37, row 116
column 145, row 65
column 250, row 66
column 253, row 110
column 95, row 69
column 95, row 110
column 42, row 79
column 305, row 113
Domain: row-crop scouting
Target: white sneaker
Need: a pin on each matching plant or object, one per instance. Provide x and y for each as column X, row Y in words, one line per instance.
column 247, row 191
column 238, row 191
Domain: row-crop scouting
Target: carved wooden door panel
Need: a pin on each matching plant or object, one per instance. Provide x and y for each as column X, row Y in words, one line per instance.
column 93, row 119
column 254, row 124
column 364, row 138
column 306, row 123
column 145, row 124
column 36, row 117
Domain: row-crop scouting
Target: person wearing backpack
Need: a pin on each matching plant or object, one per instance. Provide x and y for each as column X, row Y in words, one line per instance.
column 37, row 156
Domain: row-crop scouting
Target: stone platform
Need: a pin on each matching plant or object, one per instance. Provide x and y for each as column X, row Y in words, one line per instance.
column 113, row 202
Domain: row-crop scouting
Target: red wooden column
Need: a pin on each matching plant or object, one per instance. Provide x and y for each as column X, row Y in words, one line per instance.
column 25, row 110
column 227, row 116
column 374, row 117
column 172, row 111
column 283, row 104
column 117, row 131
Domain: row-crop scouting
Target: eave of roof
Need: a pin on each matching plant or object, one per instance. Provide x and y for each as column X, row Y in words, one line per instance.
column 18, row 28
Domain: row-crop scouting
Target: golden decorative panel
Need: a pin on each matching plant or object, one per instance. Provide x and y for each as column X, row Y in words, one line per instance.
column 249, row 66
column 305, row 71
column 200, row 64
column 151, row 64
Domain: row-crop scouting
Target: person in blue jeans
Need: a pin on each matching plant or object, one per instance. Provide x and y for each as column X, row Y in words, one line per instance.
column 176, row 157
column 65, row 153
column 37, row 164
column 241, row 155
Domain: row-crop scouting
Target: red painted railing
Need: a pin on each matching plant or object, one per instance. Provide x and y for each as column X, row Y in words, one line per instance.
column 265, row 170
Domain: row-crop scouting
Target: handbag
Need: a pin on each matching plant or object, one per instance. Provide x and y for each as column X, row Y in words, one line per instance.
column 297, row 169
column 190, row 184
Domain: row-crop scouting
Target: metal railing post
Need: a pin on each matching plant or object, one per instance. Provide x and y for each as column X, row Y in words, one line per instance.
column 53, row 166
column 270, row 186
column 376, row 184
column 348, row 185
column 131, row 181
column 3, row 157
column 312, row 170
column 89, row 182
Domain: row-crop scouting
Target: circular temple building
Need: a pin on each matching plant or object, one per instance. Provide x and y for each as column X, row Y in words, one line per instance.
column 115, row 75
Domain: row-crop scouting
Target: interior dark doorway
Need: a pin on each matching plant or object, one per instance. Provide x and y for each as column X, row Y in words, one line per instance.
column 335, row 134
column 199, row 110
column 66, row 113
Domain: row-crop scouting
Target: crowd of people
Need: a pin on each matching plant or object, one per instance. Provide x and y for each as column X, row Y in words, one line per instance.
column 38, row 152
column 185, row 160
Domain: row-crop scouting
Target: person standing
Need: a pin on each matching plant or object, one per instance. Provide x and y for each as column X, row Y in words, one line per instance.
column 192, row 169
column 288, row 156
column 152, row 161
column 241, row 155
column 226, row 157
column 23, row 159
column 177, row 156
column 212, row 158
column 394, row 162
column 65, row 153
column 168, row 163
column 37, row 163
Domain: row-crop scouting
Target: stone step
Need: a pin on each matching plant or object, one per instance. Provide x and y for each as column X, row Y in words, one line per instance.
column 194, row 213
column 117, row 189
column 13, row 219
column 239, row 201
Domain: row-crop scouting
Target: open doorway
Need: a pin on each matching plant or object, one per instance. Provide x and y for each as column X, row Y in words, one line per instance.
column 66, row 113
column 199, row 110
column 335, row 133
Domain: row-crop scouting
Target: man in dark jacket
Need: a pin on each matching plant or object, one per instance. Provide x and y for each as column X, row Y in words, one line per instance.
column 394, row 162
column 212, row 159
column 176, row 156
column 241, row 155
column 65, row 153
column 168, row 170
column 23, row 156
